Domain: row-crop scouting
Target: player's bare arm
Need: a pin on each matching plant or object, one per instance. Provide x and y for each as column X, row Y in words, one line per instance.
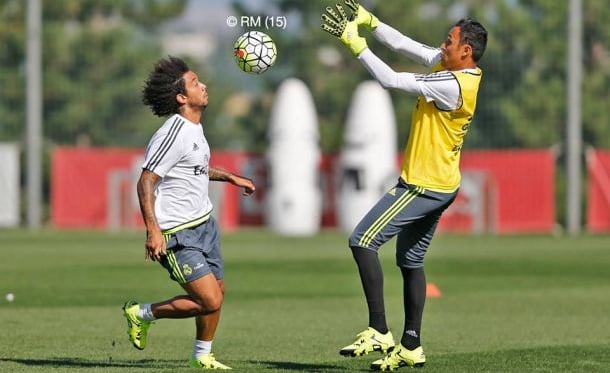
column 155, row 244
column 218, row 174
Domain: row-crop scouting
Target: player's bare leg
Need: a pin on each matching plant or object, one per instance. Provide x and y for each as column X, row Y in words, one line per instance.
column 206, row 323
column 204, row 297
column 204, row 301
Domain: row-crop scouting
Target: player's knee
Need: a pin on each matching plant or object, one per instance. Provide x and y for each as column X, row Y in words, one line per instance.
column 354, row 241
column 412, row 265
column 413, row 259
column 214, row 305
column 211, row 305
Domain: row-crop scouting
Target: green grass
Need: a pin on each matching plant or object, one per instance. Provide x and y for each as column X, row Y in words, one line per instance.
column 509, row 304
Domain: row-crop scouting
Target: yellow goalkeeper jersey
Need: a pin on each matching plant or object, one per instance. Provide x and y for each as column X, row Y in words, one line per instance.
column 432, row 155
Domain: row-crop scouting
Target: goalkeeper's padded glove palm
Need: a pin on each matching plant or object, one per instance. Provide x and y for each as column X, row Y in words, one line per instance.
column 362, row 16
column 337, row 24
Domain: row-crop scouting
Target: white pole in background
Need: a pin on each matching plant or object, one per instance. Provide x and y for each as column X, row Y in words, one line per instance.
column 574, row 125
column 34, row 113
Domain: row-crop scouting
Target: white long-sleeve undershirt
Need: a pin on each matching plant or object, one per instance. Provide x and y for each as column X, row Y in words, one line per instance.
column 441, row 87
column 401, row 43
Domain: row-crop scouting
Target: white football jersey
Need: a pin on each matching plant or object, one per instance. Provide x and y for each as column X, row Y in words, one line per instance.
column 179, row 153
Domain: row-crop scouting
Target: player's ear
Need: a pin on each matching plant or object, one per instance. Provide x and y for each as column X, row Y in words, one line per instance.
column 466, row 50
column 181, row 99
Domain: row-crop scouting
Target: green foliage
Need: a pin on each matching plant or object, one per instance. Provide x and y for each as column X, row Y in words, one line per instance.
column 95, row 56
column 596, row 97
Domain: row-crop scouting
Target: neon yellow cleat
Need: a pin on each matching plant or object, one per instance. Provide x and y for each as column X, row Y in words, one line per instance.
column 368, row 341
column 208, row 362
column 400, row 357
column 137, row 329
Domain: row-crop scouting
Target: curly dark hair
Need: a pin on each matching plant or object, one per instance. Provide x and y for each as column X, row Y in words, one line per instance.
column 163, row 84
column 473, row 34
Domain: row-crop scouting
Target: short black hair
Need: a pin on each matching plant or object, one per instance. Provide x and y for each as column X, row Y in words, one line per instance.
column 163, row 84
column 473, row 34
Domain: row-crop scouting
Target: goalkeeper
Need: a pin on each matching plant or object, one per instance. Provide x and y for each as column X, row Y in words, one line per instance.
column 430, row 175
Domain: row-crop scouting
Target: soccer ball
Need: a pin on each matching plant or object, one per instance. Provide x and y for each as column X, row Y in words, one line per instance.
column 254, row 52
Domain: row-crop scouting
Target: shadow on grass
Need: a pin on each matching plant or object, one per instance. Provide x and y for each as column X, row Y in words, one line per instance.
column 301, row 367
column 84, row 363
column 66, row 362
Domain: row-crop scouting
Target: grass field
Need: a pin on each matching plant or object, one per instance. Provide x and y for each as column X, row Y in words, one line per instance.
column 509, row 304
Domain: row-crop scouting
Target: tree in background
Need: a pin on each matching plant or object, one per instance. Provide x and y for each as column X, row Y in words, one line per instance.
column 96, row 54
column 596, row 85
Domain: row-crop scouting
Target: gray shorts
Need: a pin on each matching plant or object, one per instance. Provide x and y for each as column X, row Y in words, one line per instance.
column 194, row 252
column 406, row 210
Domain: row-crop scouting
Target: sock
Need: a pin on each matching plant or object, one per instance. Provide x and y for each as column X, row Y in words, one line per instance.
column 371, row 276
column 145, row 312
column 410, row 339
column 201, row 348
column 414, row 292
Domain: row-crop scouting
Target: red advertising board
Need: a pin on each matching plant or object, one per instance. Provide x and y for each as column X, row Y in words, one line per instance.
column 598, row 203
column 517, row 188
column 521, row 184
column 79, row 184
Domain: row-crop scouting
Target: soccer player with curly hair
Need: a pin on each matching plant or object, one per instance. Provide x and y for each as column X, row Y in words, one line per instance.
column 173, row 191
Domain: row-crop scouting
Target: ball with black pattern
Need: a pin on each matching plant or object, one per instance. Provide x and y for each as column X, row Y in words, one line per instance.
column 254, row 52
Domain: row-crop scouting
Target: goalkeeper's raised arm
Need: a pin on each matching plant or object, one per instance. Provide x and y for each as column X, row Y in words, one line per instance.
column 393, row 38
column 401, row 43
column 442, row 89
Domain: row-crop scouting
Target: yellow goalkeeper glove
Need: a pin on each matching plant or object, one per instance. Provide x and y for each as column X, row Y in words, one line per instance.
column 337, row 24
column 363, row 16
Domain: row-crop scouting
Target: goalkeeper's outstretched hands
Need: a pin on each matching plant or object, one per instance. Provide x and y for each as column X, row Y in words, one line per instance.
column 362, row 16
column 337, row 23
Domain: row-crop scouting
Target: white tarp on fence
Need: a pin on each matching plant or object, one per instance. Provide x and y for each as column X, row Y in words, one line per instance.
column 9, row 185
